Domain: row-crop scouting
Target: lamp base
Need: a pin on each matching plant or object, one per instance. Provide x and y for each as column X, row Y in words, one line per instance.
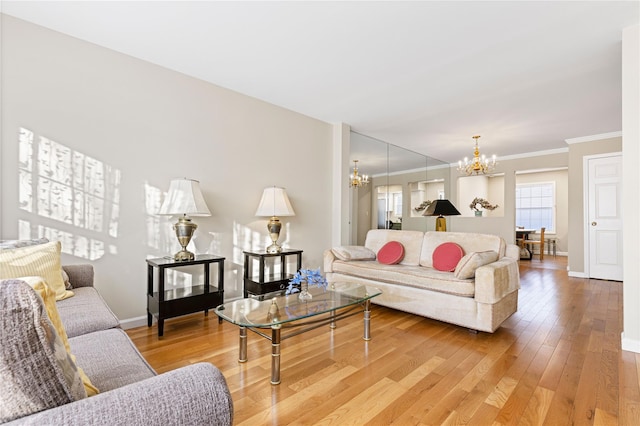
column 184, row 228
column 274, row 248
column 183, row 256
column 441, row 224
column 274, row 226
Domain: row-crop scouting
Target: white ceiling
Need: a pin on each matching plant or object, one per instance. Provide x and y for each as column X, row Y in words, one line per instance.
column 426, row 76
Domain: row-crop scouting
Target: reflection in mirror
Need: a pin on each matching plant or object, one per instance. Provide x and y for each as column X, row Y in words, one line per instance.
column 389, row 202
column 487, row 188
column 389, row 206
column 423, row 193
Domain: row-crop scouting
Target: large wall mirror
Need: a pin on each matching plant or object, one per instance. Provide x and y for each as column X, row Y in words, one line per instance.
column 401, row 182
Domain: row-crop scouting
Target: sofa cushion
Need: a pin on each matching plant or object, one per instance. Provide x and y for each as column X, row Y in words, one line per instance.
column 110, row 359
column 469, row 242
column 42, row 260
column 446, row 256
column 36, row 371
column 391, row 253
column 467, row 266
column 353, row 253
column 411, row 240
column 411, row 276
column 86, row 312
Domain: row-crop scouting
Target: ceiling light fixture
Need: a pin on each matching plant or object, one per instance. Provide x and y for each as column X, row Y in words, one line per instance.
column 479, row 165
column 355, row 179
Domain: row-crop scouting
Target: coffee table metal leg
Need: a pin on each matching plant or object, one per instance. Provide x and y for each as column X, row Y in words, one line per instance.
column 332, row 324
column 242, row 357
column 275, row 355
column 367, row 320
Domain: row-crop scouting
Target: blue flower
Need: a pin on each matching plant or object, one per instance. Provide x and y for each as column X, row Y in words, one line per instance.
column 311, row 276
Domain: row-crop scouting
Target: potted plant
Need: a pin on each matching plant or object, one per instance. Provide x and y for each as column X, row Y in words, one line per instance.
column 480, row 203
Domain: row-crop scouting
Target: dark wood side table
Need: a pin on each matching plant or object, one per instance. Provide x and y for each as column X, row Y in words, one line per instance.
column 163, row 303
column 263, row 284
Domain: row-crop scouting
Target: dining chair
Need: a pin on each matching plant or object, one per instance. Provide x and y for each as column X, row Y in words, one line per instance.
column 539, row 243
column 520, row 239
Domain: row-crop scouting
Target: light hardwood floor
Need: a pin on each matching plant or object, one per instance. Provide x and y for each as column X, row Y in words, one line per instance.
column 556, row 361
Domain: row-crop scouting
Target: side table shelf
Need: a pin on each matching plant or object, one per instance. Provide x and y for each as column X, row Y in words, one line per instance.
column 273, row 281
column 168, row 303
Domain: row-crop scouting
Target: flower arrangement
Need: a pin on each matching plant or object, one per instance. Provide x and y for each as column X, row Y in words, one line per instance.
column 423, row 205
column 480, row 203
column 310, row 276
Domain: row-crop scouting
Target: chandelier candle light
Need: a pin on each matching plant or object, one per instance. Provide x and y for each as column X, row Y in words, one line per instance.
column 274, row 203
column 184, row 198
column 357, row 180
column 479, row 165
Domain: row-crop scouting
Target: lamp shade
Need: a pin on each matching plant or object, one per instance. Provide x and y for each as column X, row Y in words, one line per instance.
column 441, row 208
column 274, row 202
column 184, row 198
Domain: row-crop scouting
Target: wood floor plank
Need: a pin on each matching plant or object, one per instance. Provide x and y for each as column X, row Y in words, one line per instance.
column 556, row 361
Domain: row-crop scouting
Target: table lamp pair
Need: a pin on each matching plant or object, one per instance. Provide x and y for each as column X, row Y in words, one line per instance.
column 185, row 198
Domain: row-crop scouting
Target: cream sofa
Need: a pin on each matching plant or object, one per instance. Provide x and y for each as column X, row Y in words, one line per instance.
column 482, row 302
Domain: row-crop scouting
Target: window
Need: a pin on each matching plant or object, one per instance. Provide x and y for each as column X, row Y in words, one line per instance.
column 535, row 206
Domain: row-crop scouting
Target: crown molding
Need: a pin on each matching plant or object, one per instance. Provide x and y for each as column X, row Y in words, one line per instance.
column 593, row 138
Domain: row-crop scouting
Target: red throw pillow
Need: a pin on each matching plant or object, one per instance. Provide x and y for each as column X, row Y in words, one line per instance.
column 391, row 253
column 446, row 257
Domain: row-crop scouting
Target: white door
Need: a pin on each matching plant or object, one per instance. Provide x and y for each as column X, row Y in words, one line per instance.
column 604, row 221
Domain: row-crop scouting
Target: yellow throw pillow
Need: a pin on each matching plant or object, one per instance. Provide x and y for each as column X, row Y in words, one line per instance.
column 41, row 260
column 47, row 296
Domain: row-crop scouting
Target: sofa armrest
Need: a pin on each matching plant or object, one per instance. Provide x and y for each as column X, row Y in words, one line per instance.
column 496, row 280
column 512, row 252
column 196, row 394
column 328, row 258
column 80, row 275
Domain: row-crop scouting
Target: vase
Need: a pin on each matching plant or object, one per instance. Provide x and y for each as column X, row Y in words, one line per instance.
column 304, row 292
column 478, row 212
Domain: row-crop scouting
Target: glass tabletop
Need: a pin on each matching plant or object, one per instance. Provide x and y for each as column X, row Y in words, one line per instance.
column 262, row 313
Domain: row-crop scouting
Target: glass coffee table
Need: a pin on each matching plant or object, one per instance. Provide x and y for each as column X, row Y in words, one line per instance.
column 340, row 300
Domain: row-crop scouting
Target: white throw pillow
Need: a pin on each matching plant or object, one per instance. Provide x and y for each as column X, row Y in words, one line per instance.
column 467, row 266
column 353, row 253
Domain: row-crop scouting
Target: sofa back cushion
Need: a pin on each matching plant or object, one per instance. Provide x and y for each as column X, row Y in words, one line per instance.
column 470, row 242
column 410, row 240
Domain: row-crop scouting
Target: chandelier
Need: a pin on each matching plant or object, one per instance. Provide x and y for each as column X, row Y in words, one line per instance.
column 355, row 179
column 478, row 165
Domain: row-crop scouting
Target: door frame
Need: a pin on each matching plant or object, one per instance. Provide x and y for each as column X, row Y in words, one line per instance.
column 585, row 207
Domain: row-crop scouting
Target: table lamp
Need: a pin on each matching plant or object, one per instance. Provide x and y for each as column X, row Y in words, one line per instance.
column 274, row 203
column 441, row 208
column 184, row 198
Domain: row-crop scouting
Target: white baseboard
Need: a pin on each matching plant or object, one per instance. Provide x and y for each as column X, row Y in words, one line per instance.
column 630, row 344
column 133, row 322
column 575, row 274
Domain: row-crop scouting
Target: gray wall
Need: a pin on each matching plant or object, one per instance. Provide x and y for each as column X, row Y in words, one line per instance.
column 151, row 125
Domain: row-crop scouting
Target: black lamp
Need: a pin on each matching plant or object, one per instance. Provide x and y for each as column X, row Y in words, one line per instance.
column 441, row 208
